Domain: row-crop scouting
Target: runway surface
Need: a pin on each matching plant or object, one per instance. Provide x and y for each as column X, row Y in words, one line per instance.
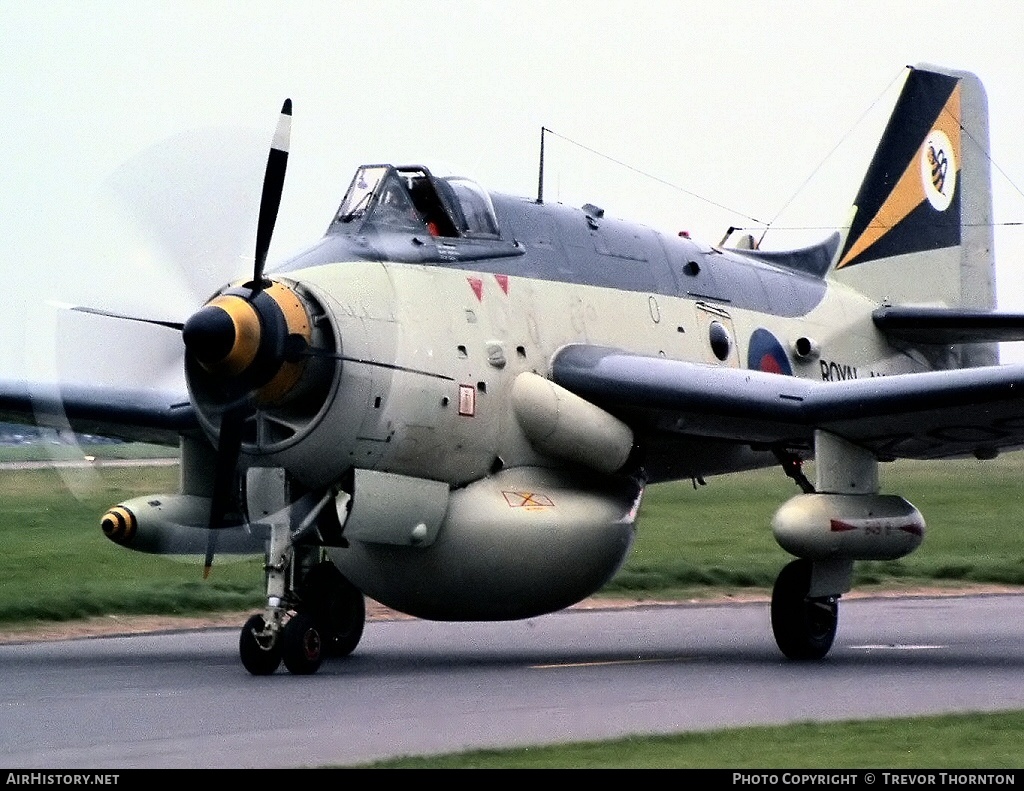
column 417, row 687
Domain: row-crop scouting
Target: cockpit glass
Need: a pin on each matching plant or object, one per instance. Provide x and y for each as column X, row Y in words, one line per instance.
column 409, row 198
column 394, row 207
column 360, row 192
column 476, row 209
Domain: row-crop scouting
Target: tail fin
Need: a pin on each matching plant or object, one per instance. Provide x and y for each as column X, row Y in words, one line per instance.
column 921, row 231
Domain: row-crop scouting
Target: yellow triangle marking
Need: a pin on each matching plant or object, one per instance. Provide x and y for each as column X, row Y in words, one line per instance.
column 908, row 193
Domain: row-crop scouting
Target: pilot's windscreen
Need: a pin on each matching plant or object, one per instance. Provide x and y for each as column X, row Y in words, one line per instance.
column 360, row 192
column 393, row 207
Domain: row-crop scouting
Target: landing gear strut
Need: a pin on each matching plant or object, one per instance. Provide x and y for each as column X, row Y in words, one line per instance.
column 328, row 623
column 804, row 627
column 327, row 612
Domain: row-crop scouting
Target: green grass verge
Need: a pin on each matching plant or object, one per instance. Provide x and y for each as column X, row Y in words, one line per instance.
column 57, row 565
column 690, row 542
column 718, row 537
column 61, row 451
column 969, row 741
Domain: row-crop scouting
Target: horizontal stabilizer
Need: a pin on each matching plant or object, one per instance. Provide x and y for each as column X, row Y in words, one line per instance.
column 944, row 326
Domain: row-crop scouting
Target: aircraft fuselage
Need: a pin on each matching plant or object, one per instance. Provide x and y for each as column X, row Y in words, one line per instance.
column 443, row 335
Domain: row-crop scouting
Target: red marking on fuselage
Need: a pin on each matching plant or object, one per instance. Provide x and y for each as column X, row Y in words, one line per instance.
column 770, row 365
column 477, row 285
column 503, row 282
column 844, row 527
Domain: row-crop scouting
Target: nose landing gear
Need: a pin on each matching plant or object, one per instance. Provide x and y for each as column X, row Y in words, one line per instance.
column 312, row 611
column 327, row 624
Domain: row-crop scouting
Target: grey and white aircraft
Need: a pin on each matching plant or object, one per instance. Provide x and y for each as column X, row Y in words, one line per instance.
column 452, row 403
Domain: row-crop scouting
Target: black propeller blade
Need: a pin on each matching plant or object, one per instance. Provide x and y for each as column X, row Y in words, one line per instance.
column 273, row 185
column 228, row 450
column 229, row 445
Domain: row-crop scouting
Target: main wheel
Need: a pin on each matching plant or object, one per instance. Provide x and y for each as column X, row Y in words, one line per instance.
column 302, row 645
column 260, row 655
column 338, row 607
column 804, row 627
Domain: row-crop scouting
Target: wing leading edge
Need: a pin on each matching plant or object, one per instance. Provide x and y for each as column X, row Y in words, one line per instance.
column 141, row 415
column 976, row 411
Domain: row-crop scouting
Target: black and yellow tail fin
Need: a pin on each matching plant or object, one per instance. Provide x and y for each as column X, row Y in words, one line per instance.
column 921, row 229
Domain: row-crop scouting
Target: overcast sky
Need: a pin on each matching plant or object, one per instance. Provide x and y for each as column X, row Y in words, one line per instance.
column 736, row 102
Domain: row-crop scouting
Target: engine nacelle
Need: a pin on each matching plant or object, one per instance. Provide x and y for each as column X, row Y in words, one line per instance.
column 849, row 526
column 523, row 542
column 175, row 524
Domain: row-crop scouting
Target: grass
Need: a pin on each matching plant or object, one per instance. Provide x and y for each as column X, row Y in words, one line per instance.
column 978, row 741
column 58, row 566
column 691, row 542
column 61, row 451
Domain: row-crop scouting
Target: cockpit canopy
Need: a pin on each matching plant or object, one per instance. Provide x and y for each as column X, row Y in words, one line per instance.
column 410, row 198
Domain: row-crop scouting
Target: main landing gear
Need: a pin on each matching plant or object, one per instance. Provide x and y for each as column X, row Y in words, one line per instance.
column 838, row 519
column 804, row 626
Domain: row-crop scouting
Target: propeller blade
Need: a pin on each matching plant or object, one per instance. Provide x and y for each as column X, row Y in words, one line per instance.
column 273, row 185
column 229, row 448
column 173, row 325
column 210, row 336
column 211, row 550
column 145, row 226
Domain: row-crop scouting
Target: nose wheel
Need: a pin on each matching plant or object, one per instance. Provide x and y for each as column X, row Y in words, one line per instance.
column 259, row 647
column 804, row 627
column 338, row 607
column 302, row 645
column 328, row 624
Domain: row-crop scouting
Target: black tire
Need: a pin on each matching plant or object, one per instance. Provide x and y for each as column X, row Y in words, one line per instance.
column 338, row 606
column 804, row 627
column 259, row 656
column 302, row 645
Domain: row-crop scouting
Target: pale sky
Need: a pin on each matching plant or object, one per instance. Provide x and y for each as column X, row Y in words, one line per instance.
column 738, row 102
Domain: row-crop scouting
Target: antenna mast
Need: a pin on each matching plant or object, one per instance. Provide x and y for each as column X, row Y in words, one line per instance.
column 540, row 178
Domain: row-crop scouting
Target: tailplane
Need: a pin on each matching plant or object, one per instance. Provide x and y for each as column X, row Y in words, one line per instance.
column 921, row 228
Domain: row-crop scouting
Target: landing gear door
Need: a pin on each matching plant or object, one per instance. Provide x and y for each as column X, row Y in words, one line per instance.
column 393, row 509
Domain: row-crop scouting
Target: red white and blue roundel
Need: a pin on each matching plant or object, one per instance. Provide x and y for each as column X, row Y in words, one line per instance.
column 765, row 353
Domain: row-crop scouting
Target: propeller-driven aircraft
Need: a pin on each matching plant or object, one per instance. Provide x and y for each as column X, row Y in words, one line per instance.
column 453, row 402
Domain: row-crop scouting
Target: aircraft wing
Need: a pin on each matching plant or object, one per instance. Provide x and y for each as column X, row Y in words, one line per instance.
column 96, row 372
column 972, row 411
column 141, row 415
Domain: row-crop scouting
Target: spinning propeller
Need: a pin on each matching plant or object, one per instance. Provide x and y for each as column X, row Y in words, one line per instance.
column 258, row 356
column 250, row 338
